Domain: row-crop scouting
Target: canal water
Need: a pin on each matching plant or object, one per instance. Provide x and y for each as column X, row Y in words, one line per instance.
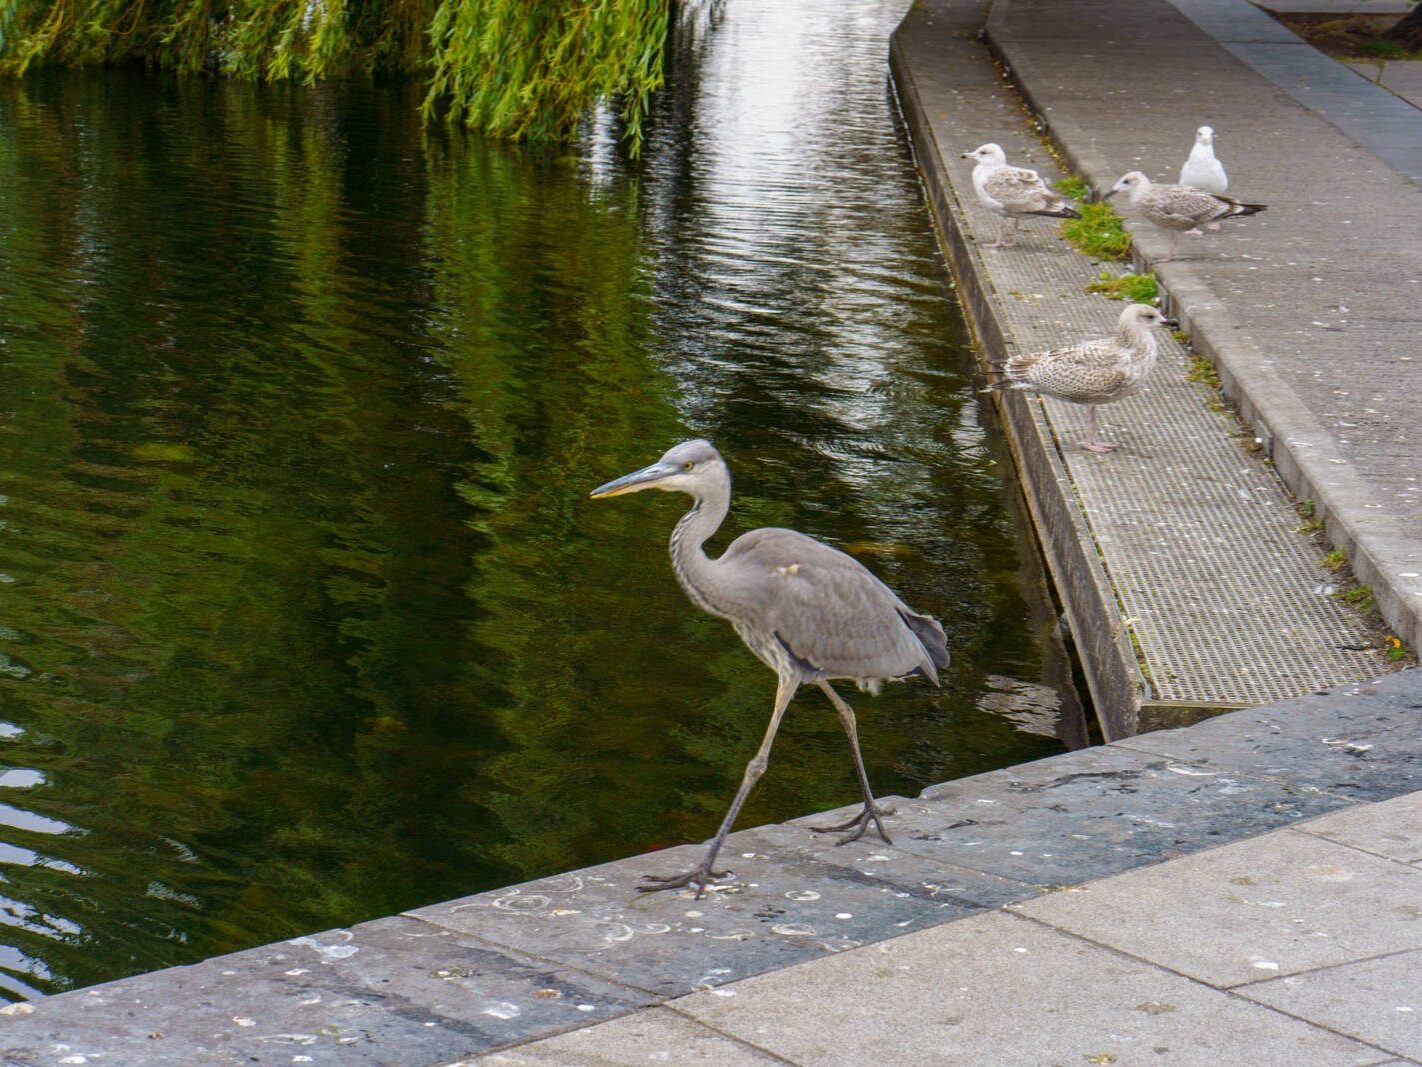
column 305, row 614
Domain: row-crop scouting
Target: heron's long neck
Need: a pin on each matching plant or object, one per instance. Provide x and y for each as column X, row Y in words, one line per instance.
column 694, row 570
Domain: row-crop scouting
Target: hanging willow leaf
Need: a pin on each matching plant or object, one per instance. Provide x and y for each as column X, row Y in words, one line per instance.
column 512, row 68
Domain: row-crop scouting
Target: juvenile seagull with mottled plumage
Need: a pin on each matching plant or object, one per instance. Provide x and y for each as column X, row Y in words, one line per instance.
column 1012, row 192
column 1178, row 208
column 1092, row 372
column 807, row 611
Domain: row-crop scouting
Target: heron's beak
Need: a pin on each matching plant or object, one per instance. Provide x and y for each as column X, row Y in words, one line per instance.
column 645, row 478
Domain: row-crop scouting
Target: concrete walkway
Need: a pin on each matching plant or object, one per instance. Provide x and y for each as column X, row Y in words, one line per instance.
column 1310, row 312
column 1300, row 946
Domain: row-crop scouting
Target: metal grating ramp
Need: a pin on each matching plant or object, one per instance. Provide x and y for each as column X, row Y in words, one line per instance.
column 1226, row 600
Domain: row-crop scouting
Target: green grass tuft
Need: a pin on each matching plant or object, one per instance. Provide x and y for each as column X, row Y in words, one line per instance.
column 1333, row 560
column 1073, row 188
column 1202, row 370
column 1098, row 233
column 1137, row 288
column 1361, row 597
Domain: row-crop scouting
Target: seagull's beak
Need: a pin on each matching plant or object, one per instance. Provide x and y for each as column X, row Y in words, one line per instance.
column 1172, row 323
column 646, row 478
column 967, row 155
column 1110, row 192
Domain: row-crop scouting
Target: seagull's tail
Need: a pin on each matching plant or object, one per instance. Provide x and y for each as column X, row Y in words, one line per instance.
column 1058, row 211
column 1238, row 210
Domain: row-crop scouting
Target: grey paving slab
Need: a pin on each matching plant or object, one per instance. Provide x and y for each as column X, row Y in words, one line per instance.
column 1268, row 907
column 1362, row 741
column 994, row 989
column 1392, row 828
column 783, row 906
column 1377, row 1000
column 1106, row 810
column 654, row 1036
column 394, row 991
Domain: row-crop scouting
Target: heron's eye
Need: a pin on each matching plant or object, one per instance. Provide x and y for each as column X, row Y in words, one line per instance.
column 687, row 465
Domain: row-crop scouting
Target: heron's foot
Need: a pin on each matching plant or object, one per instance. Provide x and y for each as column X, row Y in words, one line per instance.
column 858, row 825
column 696, row 879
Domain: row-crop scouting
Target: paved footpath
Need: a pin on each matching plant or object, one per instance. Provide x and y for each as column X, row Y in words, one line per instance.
column 1303, row 946
column 1312, row 311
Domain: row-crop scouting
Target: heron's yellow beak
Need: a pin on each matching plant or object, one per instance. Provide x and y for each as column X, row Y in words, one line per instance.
column 646, row 478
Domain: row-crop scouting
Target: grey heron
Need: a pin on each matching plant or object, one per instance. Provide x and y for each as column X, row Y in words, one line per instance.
column 807, row 611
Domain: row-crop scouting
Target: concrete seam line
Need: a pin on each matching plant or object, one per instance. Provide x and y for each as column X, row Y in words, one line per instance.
column 1407, row 864
column 673, row 1009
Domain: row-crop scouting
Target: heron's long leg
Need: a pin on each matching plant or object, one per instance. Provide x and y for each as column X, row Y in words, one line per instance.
column 871, row 812
column 702, row 874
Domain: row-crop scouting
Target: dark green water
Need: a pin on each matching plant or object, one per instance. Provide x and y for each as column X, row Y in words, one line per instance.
column 305, row 616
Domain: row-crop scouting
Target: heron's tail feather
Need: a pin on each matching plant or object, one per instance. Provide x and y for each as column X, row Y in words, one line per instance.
column 929, row 632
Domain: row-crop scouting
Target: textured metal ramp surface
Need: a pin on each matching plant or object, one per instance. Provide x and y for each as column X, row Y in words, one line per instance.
column 1226, row 600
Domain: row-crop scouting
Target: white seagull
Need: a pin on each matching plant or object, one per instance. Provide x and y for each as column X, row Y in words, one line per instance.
column 1012, row 192
column 1202, row 170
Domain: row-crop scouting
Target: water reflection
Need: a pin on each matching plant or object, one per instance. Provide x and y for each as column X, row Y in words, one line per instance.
column 304, row 614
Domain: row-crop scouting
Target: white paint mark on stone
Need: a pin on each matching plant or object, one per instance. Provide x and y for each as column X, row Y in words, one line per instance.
column 504, row 1009
column 242, row 1020
column 694, row 914
column 298, row 971
column 844, row 915
column 75, row 1059
column 586, row 1007
column 20, row 1008
column 1189, row 772
column 793, row 930
column 723, row 992
column 1263, row 965
column 802, row 895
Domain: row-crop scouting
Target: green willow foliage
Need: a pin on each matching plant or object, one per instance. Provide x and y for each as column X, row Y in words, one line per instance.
column 513, row 68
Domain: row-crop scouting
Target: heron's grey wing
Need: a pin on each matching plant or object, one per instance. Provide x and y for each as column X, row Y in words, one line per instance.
column 832, row 614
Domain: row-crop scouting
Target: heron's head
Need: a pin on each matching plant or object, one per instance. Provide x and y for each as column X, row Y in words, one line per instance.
column 989, row 153
column 1143, row 316
column 1204, row 135
column 1129, row 183
column 692, row 467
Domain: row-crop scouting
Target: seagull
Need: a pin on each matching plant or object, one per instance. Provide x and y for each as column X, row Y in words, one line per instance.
column 1012, row 192
column 1178, row 207
column 1202, row 170
column 1092, row 372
